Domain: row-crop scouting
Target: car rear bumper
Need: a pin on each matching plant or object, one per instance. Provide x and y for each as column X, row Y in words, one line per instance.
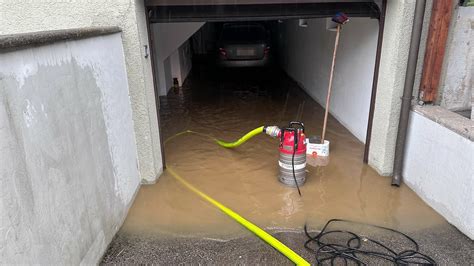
column 244, row 63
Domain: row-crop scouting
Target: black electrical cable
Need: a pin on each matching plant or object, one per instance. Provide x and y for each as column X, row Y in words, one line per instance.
column 354, row 248
column 293, row 166
column 295, row 146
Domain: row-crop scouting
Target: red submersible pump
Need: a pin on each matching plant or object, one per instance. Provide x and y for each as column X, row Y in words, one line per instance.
column 292, row 149
column 292, row 160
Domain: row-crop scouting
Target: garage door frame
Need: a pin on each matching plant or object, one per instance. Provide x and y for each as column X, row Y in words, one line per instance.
column 162, row 12
column 239, row 12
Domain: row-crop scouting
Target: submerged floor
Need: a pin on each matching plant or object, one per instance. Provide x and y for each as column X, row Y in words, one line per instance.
column 226, row 105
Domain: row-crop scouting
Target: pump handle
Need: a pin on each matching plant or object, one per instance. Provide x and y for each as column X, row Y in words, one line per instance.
column 296, row 123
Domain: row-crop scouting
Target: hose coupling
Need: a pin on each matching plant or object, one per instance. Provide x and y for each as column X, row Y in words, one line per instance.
column 272, row 131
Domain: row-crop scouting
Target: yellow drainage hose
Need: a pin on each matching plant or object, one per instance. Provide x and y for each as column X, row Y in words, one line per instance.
column 242, row 140
column 275, row 243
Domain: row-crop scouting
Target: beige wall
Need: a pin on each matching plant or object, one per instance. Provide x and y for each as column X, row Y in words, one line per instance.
column 22, row 16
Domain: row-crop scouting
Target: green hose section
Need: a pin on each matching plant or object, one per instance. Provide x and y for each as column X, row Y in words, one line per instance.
column 275, row 243
column 242, row 140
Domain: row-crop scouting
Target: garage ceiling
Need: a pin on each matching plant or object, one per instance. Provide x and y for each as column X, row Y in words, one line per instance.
column 244, row 10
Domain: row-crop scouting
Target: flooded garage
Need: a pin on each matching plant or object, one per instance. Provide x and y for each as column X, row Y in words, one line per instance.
column 228, row 105
column 167, row 220
column 227, row 78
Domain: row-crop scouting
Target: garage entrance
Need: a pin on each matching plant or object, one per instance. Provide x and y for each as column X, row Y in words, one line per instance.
column 200, row 92
column 225, row 103
column 188, row 30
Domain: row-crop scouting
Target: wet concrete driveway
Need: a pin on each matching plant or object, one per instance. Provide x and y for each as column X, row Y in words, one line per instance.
column 168, row 224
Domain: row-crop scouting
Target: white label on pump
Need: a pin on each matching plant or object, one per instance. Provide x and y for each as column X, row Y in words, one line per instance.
column 290, row 167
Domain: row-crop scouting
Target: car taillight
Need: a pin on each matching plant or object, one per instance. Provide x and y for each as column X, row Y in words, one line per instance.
column 267, row 50
column 222, row 52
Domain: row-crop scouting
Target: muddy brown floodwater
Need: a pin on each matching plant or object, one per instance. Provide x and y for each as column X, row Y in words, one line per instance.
column 228, row 104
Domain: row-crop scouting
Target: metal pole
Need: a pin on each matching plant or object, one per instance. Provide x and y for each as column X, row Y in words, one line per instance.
column 328, row 98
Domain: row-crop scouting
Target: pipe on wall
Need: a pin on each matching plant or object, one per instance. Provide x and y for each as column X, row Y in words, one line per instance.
column 375, row 80
column 408, row 92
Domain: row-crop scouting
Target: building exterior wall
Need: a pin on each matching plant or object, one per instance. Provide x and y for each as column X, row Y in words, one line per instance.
column 439, row 168
column 68, row 170
column 456, row 86
column 151, row 163
column 29, row 16
column 306, row 55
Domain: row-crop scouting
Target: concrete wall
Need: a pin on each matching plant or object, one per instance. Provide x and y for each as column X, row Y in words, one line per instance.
column 168, row 38
column 175, row 65
column 185, row 60
column 27, row 16
column 204, row 41
column 456, row 86
column 167, row 70
column 439, row 168
column 306, row 55
column 68, row 170
column 181, row 62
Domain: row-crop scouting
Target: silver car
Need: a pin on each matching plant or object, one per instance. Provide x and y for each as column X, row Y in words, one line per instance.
column 243, row 45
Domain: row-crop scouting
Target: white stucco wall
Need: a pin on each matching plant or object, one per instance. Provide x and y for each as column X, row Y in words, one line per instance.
column 69, row 164
column 393, row 62
column 40, row 15
column 306, row 55
column 439, row 167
